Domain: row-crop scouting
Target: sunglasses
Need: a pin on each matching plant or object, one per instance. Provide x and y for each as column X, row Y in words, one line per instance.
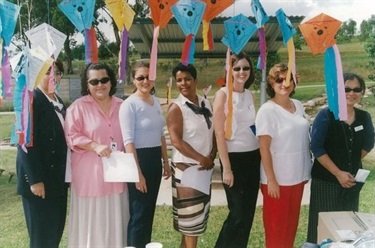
column 95, row 82
column 356, row 90
column 141, row 78
column 246, row 68
column 279, row 80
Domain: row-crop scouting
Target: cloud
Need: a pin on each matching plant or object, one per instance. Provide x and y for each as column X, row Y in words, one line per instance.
column 342, row 10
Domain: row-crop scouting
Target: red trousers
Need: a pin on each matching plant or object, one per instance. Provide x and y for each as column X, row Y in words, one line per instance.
column 280, row 216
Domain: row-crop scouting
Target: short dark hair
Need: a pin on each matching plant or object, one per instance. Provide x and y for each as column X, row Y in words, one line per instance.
column 353, row 76
column 273, row 74
column 98, row 66
column 235, row 58
column 59, row 64
column 187, row 68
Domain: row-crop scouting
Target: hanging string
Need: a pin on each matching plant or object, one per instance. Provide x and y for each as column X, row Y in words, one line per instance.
column 48, row 20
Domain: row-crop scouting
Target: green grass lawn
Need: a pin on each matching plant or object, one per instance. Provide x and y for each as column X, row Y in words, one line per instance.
column 13, row 231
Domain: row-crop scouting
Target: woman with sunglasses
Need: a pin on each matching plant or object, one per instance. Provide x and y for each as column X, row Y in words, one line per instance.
column 142, row 125
column 239, row 155
column 283, row 133
column 99, row 210
column 338, row 148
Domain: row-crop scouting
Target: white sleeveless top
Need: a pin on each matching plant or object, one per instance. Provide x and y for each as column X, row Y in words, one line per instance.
column 195, row 131
column 243, row 137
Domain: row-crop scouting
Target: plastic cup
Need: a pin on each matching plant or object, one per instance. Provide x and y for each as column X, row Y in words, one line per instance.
column 154, row 245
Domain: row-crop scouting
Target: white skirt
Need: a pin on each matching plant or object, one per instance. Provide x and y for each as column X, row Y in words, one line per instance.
column 98, row 221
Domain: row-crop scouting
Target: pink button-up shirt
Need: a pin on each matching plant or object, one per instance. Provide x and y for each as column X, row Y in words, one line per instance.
column 85, row 123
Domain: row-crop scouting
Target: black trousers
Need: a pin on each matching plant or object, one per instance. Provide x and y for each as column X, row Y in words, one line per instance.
column 242, row 198
column 142, row 205
column 45, row 220
column 325, row 197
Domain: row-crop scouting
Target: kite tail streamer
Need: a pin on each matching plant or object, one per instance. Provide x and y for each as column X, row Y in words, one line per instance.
column 291, row 63
column 1, row 77
column 210, row 39
column 19, row 88
column 192, row 51
column 123, row 55
column 185, row 57
column 51, row 79
column 91, row 47
column 154, row 54
column 330, row 71
column 206, row 26
column 343, row 114
column 229, row 84
column 5, row 75
column 208, row 42
column 262, row 49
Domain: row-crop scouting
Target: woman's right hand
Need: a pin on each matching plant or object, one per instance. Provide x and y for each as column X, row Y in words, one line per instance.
column 141, row 186
column 345, row 179
column 228, row 178
column 273, row 189
column 102, row 150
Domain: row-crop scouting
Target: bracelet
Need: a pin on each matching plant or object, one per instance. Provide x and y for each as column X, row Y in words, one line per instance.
column 227, row 172
column 165, row 161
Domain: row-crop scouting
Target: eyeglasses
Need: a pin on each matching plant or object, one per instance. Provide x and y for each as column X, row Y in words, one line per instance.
column 356, row 90
column 95, row 82
column 141, row 78
column 279, row 80
column 246, row 68
column 59, row 74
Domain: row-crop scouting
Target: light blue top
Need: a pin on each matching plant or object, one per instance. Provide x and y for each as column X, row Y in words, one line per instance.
column 141, row 123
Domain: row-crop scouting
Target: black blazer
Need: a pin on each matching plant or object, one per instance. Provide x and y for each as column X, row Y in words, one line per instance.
column 45, row 161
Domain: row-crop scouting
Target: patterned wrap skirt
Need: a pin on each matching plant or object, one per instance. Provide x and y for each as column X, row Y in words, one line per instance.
column 190, row 207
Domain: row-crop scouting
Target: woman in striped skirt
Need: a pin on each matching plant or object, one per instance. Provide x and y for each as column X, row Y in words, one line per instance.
column 190, row 128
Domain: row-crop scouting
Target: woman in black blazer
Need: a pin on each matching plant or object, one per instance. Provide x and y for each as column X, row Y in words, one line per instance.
column 41, row 167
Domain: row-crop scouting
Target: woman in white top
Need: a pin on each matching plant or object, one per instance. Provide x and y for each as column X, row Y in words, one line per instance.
column 190, row 127
column 284, row 146
column 239, row 154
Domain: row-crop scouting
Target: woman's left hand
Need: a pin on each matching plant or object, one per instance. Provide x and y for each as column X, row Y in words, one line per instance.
column 166, row 170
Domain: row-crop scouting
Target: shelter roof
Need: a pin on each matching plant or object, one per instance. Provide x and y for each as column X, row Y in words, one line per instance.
column 171, row 38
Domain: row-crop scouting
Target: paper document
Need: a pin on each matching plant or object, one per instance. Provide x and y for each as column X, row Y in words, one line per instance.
column 197, row 179
column 120, row 167
column 362, row 175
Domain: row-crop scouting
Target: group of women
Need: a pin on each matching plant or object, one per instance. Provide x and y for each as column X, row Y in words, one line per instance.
column 269, row 151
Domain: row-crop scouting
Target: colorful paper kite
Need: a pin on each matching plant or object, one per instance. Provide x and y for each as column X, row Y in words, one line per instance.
column 261, row 18
column 123, row 15
column 28, row 68
column 81, row 14
column 189, row 14
column 238, row 30
column 213, row 8
column 161, row 14
column 319, row 33
column 8, row 19
column 288, row 31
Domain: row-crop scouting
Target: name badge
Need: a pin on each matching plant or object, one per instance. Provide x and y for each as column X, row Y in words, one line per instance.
column 358, row 128
column 113, row 146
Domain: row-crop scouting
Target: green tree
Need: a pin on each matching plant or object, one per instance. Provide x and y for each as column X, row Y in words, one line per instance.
column 370, row 49
column 347, row 31
column 366, row 28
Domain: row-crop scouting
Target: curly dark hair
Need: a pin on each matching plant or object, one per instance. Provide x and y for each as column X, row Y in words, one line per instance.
column 273, row 74
column 98, row 66
column 235, row 58
column 185, row 68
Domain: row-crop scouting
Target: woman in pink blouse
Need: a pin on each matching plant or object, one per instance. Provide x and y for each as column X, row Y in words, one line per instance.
column 99, row 211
